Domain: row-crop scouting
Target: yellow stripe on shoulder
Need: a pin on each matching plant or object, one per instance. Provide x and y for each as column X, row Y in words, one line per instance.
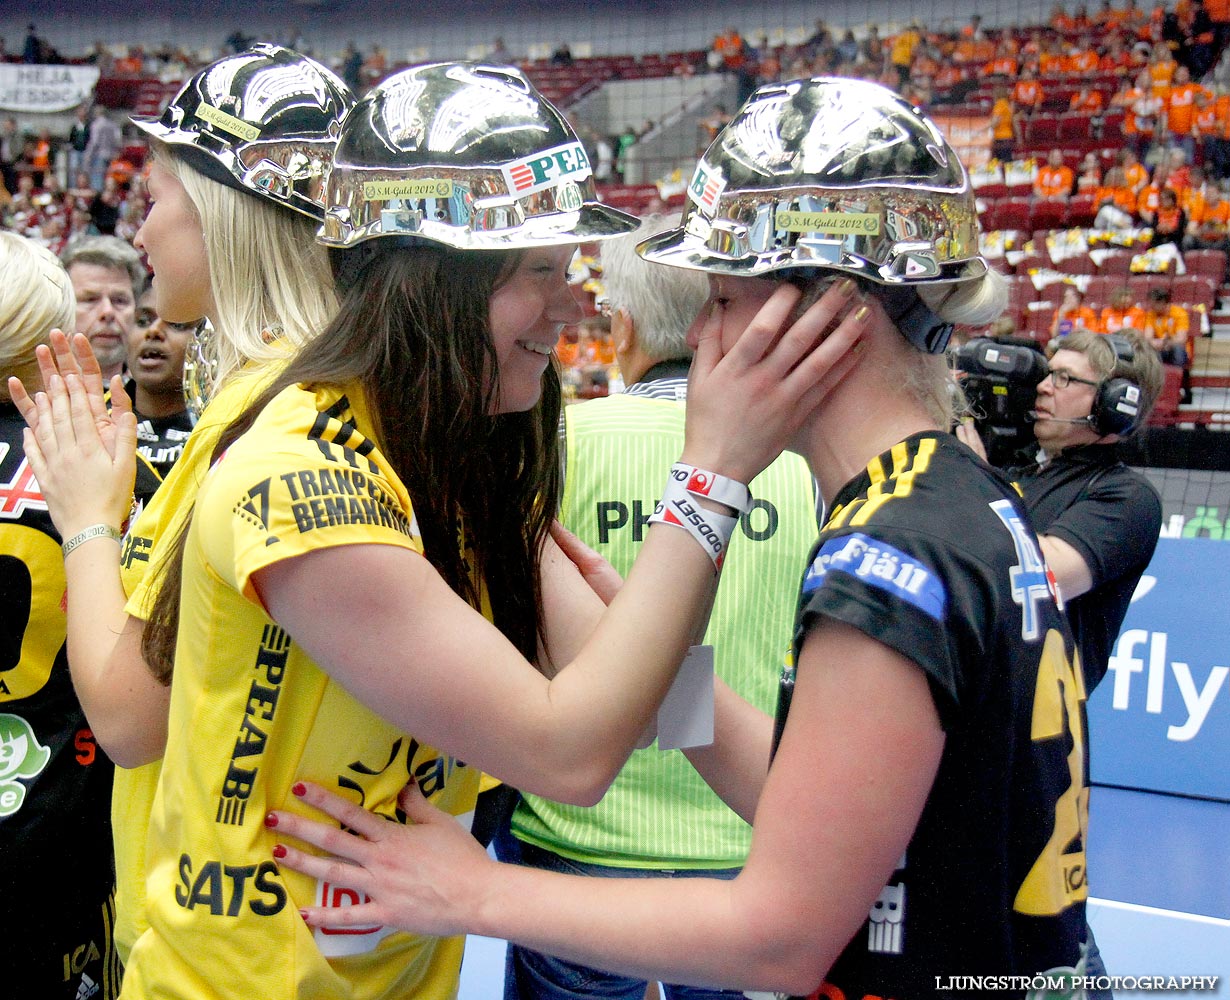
column 909, row 462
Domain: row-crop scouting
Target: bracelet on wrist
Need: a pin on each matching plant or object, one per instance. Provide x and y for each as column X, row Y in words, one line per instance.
column 93, row 531
column 711, row 530
column 721, row 489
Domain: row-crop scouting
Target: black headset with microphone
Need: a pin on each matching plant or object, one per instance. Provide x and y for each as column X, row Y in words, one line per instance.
column 1116, row 405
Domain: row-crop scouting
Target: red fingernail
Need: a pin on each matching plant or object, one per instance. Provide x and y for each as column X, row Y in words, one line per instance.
column 303, row 915
column 271, row 820
column 279, row 851
column 299, row 789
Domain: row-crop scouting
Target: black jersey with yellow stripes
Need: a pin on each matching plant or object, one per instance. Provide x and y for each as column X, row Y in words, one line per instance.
column 55, row 783
column 928, row 552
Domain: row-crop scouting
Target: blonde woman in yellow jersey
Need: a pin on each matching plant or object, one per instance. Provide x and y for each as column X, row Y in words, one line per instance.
column 311, row 638
column 239, row 157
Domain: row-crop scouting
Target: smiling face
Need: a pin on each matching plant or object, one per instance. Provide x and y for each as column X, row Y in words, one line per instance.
column 527, row 311
column 174, row 242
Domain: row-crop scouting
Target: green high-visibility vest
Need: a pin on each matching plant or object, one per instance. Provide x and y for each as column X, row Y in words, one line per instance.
column 659, row 813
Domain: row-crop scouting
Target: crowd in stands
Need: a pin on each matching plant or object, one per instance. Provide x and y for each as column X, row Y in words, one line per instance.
column 1120, row 116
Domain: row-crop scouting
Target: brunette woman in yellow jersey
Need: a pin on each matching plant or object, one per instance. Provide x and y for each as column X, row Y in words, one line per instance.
column 932, row 667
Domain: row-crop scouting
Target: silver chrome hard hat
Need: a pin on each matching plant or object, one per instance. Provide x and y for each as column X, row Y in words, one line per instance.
column 828, row 173
column 264, row 121
column 467, row 155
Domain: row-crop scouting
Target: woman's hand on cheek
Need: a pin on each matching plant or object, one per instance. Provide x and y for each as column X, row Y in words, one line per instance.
column 744, row 406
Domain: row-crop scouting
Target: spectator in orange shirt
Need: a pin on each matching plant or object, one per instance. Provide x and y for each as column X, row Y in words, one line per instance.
column 40, row 153
column 1115, row 56
column 1134, row 172
column 1180, row 173
column 1083, row 59
column 1122, row 313
column 1072, row 313
column 1181, row 111
column 1208, row 220
column 1108, row 17
column 1052, row 60
column 1027, row 92
column 1170, row 221
column 728, row 51
column 1115, row 201
column 1054, row 180
column 1204, row 126
column 1088, row 100
column 948, row 76
column 1142, row 109
column 1161, row 69
column 1150, row 197
column 1004, row 126
column 1167, row 328
column 1066, row 23
column 1219, row 14
column 1003, row 65
column 132, row 64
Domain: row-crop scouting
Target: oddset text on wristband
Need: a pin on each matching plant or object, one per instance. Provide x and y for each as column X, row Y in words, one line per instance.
column 711, row 530
column 721, row 489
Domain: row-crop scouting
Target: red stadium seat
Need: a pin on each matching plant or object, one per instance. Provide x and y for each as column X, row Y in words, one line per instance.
column 1048, row 215
column 1101, row 289
column 1081, row 210
column 1210, row 263
column 1014, row 214
column 1042, row 130
column 1117, row 262
column 1080, row 264
column 1075, row 125
column 1193, row 290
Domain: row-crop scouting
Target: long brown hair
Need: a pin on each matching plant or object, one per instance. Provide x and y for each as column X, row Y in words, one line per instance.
column 412, row 333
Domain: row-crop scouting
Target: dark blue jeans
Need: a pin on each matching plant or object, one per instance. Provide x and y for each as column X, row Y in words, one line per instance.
column 531, row 975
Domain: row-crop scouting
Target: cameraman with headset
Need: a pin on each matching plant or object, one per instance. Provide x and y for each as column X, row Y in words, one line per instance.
column 1097, row 520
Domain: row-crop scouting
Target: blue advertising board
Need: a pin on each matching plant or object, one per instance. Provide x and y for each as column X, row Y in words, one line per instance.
column 1160, row 719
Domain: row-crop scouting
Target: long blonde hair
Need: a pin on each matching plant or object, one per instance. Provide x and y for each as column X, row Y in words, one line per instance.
column 272, row 286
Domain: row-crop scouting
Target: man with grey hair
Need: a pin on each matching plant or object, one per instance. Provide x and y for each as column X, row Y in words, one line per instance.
column 659, row 817
column 108, row 278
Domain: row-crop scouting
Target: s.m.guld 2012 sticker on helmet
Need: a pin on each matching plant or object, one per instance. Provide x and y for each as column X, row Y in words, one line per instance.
column 845, row 223
column 414, row 190
column 547, row 169
column 21, row 756
column 707, row 186
column 228, row 123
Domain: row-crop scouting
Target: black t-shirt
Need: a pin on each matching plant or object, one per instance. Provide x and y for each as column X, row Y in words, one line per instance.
column 1112, row 516
column 929, row 552
column 55, row 782
column 160, row 442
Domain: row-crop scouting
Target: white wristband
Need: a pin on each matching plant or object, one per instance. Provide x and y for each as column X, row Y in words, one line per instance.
column 93, row 531
column 722, row 489
column 711, row 530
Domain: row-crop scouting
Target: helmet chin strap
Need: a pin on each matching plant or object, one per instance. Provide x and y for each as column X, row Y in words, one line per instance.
column 914, row 318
